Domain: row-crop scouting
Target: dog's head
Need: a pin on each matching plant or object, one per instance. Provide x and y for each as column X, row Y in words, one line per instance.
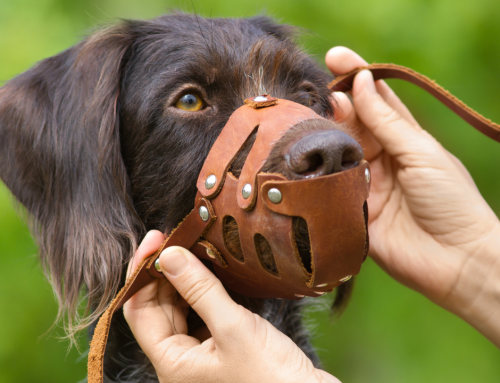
column 106, row 140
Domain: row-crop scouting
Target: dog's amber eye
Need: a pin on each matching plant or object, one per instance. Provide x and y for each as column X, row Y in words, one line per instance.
column 190, row 102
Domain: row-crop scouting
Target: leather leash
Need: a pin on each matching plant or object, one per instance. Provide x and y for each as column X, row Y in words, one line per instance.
column 343, row 83
column 192, row 228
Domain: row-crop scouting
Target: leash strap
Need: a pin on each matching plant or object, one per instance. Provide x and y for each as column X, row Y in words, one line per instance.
column 186, row 235
column 192, row 228
column 343, row 83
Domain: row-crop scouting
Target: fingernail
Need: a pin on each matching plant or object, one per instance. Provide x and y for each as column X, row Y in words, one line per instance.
column 173, row 262
column 368, row 80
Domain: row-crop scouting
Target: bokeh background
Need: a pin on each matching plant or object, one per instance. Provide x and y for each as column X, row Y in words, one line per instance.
column 389, row 333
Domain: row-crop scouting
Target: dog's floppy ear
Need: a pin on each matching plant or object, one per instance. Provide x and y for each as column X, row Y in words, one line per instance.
column 60, row 157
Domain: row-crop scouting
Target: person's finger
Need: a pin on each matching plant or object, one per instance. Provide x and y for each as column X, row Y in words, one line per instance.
column 394, row 101
column 154, row 313
column 398, row 136
column 201, row 290
column 346, row 114
column 344, row 110
column 176, row 347
column 341, row 60
column 149, row 245
column 157, row 293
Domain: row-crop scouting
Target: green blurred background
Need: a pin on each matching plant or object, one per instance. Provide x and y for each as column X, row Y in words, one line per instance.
column 389, row 333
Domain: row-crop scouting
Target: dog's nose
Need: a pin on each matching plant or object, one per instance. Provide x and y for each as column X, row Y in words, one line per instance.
column 323, row 153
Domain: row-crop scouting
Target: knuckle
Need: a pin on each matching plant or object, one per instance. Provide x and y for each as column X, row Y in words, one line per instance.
column 388, row 116
column 199, row 289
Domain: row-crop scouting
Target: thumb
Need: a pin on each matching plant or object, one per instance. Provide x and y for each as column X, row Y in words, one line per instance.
column 201, row 289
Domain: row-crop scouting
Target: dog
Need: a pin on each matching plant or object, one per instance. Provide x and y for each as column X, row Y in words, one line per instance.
column 104, row 142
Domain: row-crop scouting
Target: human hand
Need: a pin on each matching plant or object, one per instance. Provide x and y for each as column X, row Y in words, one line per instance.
column 429, row 226
column 240, row 346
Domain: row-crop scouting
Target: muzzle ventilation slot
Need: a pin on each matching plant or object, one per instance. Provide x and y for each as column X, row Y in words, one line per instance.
column 302, row 241
column 231, row 234
column 241, row 157
column 265, row 254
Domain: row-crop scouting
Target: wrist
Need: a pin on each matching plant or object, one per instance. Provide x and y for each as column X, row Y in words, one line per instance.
column 476, row 296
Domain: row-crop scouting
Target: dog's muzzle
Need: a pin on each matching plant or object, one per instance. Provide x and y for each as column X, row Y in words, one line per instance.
column 264, row 205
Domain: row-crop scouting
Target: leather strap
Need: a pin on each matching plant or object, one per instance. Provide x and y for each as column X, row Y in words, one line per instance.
column 185, row 235
column 343, row 83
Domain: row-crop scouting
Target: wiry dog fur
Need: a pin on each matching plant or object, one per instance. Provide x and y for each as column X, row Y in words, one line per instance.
column 94, row 148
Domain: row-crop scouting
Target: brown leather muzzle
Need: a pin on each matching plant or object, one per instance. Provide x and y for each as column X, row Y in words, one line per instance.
column 264, row 204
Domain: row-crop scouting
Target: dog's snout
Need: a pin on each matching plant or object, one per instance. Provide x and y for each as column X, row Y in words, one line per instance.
column 323, row 153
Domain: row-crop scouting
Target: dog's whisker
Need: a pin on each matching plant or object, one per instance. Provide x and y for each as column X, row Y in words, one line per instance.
column 199, row 26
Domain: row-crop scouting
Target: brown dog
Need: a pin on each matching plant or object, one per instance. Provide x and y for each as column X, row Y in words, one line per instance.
column 105, row 141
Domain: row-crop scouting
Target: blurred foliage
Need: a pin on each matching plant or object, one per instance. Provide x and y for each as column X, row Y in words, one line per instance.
column 389, row 333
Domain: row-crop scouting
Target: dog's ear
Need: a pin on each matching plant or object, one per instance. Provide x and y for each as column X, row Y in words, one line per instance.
column 280, row 31
column 60, row 157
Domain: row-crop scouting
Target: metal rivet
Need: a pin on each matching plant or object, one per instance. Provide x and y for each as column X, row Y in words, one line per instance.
column 345, row 279
column 210, row 253
column 274, row 195
column 320, row 292
column 260, row 99
column 211, row 181
column 157, row 265
column 299, row 295
column 246, row 191
column 204, row 215
column 367, row 175
column 322, row 285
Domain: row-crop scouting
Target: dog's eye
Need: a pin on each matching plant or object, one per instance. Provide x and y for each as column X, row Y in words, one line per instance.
column 190, row 102
column 306, row 98
column 307, row 94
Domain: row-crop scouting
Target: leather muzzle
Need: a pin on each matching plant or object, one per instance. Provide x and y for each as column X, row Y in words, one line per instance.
column 264, row 205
